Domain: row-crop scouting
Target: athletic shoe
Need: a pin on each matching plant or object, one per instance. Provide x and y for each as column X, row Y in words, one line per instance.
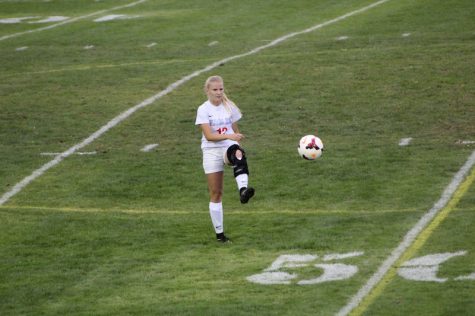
column 221, row 238
column 245, row 194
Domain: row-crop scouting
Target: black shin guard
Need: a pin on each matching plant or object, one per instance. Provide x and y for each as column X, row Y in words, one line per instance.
column 239, row 164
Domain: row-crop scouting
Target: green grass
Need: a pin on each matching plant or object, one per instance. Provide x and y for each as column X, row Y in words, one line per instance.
column 127, row 232
column 166, row 262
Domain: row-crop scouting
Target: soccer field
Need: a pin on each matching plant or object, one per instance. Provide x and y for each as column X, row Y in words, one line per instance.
column 103, row 200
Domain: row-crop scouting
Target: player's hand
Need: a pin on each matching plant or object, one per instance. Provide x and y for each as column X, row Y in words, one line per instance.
column 236, row 137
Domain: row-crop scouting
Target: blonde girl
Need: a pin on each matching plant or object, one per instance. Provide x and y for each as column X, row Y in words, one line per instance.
column 218, row 117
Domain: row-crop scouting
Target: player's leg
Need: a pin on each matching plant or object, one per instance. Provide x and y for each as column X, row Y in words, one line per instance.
column 236, row 156
column 215, row 187
column 213, row 166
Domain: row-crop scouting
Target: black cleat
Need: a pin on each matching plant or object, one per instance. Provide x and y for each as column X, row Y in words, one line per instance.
column 223, row 239
column 245, row 194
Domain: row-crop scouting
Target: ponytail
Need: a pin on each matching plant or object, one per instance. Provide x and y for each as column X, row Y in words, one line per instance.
column 228, row 104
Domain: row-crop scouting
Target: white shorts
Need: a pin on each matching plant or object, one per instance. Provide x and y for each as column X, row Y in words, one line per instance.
column 213, row 159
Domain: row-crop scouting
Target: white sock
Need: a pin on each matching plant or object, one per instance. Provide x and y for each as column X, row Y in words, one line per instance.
column 216, row 212
column 242, row 181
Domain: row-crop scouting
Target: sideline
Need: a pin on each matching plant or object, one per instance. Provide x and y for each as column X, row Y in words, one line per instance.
column 71, row 20
column 413, row 240
column 124, row 115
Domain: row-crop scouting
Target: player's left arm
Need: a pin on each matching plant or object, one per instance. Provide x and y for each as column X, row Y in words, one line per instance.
column 236, row 128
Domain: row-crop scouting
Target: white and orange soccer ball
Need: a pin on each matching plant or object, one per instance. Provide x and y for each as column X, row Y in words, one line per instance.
column 310, row 147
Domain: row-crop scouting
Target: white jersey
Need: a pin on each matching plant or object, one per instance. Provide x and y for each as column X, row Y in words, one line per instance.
column 220, row 120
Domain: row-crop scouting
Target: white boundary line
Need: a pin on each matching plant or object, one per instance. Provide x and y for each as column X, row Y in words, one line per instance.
column 71, row 20
column 410, row 237
column 124, row 115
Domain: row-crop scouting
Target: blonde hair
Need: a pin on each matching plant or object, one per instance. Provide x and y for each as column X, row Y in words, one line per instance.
column 228, row 104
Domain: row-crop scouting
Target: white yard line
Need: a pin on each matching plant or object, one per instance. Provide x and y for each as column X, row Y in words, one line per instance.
column 410, row 237
column 124, row 115
column 72, row 20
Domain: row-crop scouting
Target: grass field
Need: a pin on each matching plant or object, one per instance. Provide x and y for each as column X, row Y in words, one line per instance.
column 112, row 230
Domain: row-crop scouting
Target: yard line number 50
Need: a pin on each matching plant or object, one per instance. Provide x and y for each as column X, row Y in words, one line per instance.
column 424, row 268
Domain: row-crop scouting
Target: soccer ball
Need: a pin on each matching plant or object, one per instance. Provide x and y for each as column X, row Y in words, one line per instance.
column 310, row 147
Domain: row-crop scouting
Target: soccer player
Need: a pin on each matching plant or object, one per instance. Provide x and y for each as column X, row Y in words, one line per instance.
column 218, row 118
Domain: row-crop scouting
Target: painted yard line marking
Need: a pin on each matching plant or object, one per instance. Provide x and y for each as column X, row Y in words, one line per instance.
column 414, row 239
column 16, row 20
column 56, row 18
column 71, row 20
column 149, row 148
column 124, row 115
column 466, row 277
column 80, row 153
column 110, row 17
column 113, row 17
column 466, row 142
column 234, row 212
column 419, row 241
column 405, row 141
